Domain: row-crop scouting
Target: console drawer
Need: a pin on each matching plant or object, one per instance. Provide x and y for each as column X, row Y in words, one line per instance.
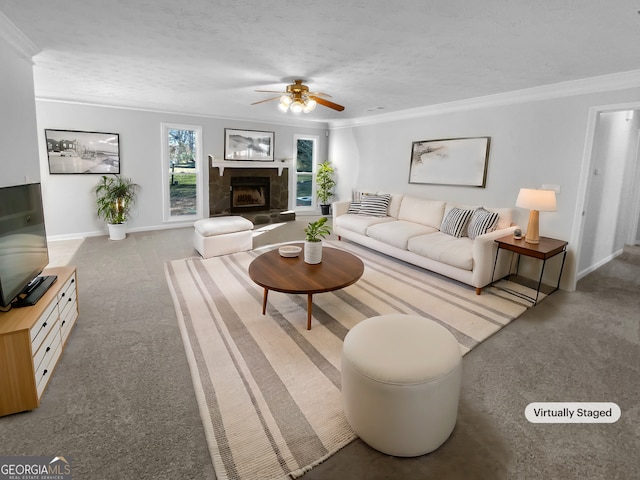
column 46, row 349
column 43, row 326
column 68, row 317
column 43, row 374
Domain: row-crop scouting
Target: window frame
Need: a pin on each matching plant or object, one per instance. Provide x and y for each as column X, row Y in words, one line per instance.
column 166, row 194
column 294, row 170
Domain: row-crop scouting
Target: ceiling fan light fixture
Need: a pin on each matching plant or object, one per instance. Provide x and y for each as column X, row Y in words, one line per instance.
column 286, row 100
column 298, row 99
column 310, row 104
column 297, row 106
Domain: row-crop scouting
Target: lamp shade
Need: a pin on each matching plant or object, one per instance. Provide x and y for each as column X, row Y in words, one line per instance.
column 541, row 200
column 535, row 201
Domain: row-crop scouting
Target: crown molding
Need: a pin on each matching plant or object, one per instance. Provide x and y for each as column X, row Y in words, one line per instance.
column 615, row 81
column 299, row 124
column 18, row 40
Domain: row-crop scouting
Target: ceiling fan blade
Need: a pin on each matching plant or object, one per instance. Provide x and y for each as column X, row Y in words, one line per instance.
column 327, row 103
column 313, row 94
column 267, row 100
column 269, row 91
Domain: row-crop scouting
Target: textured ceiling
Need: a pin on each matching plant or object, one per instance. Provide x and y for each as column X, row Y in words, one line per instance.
column 207, row 57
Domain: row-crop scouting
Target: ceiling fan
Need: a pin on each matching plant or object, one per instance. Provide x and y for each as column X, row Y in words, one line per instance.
column 298, row 98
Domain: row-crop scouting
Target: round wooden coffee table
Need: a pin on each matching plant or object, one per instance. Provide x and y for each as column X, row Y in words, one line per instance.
column 337, row 270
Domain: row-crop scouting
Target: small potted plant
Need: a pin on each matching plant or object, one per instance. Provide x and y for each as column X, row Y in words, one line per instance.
column 325, row 183
column 114, row 198
column 314, row 233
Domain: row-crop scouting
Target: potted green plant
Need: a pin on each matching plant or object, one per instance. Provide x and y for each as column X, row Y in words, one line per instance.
column 314, row 232
column 115, row 196
column 325, row 183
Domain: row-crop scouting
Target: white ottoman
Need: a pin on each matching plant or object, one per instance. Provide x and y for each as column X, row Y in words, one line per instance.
column 401, row 378
column 222, row 235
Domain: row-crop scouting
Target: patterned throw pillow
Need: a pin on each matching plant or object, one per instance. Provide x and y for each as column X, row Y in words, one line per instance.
column 482, row 221
column 354, row 207
column 455, row 222
column 375, row 205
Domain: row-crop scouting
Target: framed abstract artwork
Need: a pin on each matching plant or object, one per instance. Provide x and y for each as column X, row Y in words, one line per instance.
column 248, row 145
column 75, row 151
column 451, row 161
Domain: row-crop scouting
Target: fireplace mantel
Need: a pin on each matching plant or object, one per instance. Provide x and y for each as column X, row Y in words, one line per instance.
column 232, row 164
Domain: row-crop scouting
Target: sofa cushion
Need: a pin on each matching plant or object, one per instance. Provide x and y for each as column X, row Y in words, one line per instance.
column 455, row 222
column 457, row 252
column 359, row 223
column 482, row 221
column 421, row 210
column 375, row 205
column 394, row 204
column 398, row 232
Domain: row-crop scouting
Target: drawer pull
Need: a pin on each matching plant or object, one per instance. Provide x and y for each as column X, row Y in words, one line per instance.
column 62, row 294
column 47, row 350
column 69, row 299
column 63, row 322
column 44, row 324
column 73, row 280
column 45, row 372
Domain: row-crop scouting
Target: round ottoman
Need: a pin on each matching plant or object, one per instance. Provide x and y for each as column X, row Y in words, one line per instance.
column 401, row 377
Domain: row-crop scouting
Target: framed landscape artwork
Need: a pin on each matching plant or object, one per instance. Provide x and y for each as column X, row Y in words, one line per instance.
column 248, row 145
column 451, row 161
column 75, row 151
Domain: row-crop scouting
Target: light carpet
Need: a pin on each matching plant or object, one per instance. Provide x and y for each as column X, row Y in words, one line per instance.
column 267, row 388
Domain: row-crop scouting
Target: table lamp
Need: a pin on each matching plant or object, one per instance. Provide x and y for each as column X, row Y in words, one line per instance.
column 536, row 201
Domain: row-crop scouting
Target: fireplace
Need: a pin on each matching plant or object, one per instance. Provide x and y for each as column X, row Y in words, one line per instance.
column 249, row 194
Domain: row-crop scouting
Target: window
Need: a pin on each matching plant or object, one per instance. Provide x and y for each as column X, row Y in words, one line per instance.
column 182, row 172
column 305, row 167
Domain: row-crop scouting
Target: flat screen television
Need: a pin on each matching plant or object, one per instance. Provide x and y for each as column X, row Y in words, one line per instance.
column 23, row 246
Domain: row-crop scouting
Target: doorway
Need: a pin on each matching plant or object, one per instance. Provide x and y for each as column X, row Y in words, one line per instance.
column 610, row 182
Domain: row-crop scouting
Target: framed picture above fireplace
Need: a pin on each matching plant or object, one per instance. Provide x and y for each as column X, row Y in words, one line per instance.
column 248, row 145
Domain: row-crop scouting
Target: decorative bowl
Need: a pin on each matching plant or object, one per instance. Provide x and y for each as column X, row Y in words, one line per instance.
column 289, row 251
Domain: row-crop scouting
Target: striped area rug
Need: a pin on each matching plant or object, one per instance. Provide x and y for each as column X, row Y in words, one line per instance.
column 267, row 388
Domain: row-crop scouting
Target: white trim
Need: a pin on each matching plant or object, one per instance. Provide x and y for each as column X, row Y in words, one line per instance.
column 200, row 162
column 595, row 266
column 615, row 81
column 222, row 164
column 298, row 124
column 105, row 232
column 18, row 40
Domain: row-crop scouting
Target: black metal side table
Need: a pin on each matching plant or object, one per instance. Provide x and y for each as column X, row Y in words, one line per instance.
column 546, row 249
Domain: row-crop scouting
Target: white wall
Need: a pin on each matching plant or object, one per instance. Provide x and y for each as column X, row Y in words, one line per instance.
column 69, row 199
column 19, row 154
column 532, row 143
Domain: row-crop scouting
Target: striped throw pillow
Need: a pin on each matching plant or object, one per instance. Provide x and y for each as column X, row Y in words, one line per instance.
column 482, row 221
column 455, row 222
column 375, row 205
column 354, row 207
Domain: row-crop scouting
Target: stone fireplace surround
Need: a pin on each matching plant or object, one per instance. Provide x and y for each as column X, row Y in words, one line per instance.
column 220, row 192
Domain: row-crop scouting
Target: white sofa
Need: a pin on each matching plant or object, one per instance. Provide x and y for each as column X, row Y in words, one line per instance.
column 411, row 231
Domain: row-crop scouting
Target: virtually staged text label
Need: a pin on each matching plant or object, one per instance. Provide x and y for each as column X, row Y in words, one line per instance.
column 572, row 412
